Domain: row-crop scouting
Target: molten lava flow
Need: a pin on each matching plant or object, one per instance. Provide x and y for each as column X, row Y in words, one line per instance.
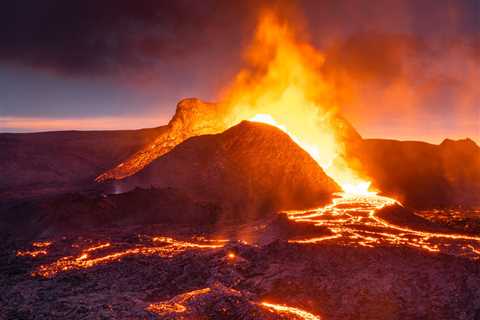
column 31, row 253
column 177, row 304
column 90, row 257
column 39, row 251
column 291, row 311
column 283, row 86
column 352, row 221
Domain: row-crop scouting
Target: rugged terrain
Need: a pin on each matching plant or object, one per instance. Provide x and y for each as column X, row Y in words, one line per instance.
column 192, row 221
column 95, row 275
column 422, row 175
column 38, row 164
column 243, row 174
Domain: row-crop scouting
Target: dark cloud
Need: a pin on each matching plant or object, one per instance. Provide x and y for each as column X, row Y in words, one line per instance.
column 107, row 36
column 115, row 36
column 369, row 56
column 405, row 83
column 406, row 60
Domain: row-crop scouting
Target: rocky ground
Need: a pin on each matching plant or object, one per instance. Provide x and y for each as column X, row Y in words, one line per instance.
column 153, row 273
column 207, row 240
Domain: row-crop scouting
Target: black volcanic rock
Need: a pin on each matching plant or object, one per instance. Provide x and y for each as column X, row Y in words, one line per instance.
column 420, row 174
column 72, row 212
column 333, row 281
column 251, row 168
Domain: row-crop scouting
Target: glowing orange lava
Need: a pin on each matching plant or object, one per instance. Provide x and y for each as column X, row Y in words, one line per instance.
column 352, row 221
column 36, row 252
column 90, row 256
column 177, row 304
column 31, row 253
column 282, row 309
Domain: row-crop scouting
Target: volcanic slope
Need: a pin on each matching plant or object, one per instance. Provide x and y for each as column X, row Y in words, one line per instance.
column 422, row 175
column 194, row 117
column 251, row 168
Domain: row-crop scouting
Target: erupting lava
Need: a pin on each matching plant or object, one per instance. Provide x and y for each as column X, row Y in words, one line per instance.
column 283, row 86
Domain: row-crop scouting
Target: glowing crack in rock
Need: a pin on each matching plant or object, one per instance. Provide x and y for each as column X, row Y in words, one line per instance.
column 92, row 256
column 283, row 309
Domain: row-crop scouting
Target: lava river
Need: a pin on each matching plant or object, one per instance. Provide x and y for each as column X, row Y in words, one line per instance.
column 352, row 220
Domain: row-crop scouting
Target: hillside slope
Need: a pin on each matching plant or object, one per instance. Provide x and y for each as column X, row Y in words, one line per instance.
column 250, row 168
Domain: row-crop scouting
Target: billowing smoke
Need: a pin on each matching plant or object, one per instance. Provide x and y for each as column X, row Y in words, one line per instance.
column 397, row 85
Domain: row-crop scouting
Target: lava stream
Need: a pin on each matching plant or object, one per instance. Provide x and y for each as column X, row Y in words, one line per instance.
column 177, row 304
column 282, row 309
column 40, row 250
column 104, row 253
column 352, row 220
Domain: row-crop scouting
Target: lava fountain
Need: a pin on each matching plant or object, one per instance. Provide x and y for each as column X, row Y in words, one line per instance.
column 282, row 85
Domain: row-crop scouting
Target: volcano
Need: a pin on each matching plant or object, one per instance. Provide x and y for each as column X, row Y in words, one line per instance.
column 249, row 172
column 249, row 168
column 266, row 205
column 237, row 223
